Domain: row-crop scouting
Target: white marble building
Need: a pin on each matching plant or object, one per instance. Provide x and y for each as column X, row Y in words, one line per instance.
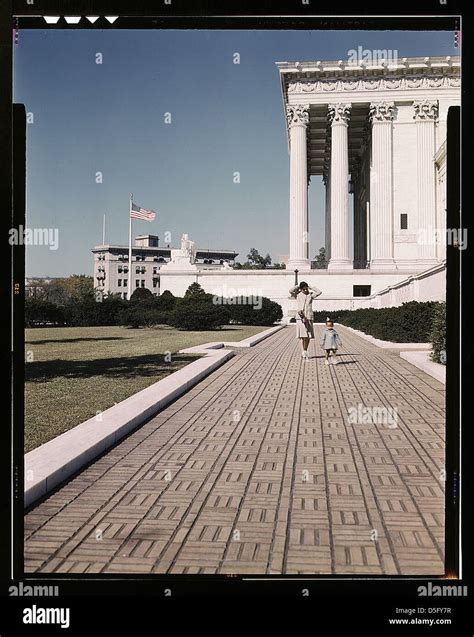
column 111, row 267
column 376, row 132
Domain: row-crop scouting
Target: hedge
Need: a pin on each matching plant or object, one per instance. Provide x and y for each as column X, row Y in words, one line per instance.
column 409, row 323
column 198, row 312
column 88, row 312
column 142, row 317
column 247, row 312
column 39, row 312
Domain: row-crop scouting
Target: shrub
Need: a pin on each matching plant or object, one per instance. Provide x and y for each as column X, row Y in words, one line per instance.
column 198, row 312
column 83, row 312
column 239, row 313
column 194, row 288
column 271, row 312
column 40, row 312
column 140, row 316
column 246, row 313
column 109, row 309
column 438, row 334
column 141, row 294
column 166, row 301
column 86, row 311
column 409, row 323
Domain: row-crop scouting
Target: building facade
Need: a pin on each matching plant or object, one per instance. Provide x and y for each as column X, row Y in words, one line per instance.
column 378, row 132
column 373, row 132
column 111, row 266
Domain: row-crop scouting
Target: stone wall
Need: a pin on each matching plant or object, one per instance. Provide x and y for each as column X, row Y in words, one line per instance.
column 337, row 288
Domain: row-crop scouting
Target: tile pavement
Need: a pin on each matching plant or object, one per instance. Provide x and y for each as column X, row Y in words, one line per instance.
column 259, row 469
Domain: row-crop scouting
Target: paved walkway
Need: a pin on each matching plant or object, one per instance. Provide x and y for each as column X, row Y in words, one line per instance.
column 259, row 469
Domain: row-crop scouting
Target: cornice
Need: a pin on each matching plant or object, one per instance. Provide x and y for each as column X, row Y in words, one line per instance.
column 374, row 84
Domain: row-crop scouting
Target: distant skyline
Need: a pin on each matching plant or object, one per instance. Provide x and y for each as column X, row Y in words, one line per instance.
column 226, row 118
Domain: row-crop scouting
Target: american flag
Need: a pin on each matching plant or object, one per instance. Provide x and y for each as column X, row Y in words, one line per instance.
column 137, row 212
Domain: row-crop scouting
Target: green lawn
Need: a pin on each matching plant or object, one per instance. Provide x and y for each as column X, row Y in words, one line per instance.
column 74, row 372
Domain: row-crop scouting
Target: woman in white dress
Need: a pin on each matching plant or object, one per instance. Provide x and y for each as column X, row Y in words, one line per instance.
column 304, row 296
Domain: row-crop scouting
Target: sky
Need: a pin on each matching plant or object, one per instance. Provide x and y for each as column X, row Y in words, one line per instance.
column 88, row 118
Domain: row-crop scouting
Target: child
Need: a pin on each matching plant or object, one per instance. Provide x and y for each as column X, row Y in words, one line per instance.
column 330, row 341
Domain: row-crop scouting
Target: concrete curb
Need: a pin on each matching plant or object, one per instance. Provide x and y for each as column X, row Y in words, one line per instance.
column 51, row 463
column 250, row 341
column 422, row 361
column 387, row 344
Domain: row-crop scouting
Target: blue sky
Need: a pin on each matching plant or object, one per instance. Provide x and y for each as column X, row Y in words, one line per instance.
column 226, row 118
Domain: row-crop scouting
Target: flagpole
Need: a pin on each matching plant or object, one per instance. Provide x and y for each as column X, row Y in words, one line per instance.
column 129, row 292
column 103, row 232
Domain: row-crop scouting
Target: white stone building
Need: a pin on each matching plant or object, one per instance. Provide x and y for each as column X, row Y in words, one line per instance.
column 376, row 132
column 111, row 266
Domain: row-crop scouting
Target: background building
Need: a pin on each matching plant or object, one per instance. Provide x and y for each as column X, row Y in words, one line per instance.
column 111, row 267
column 35, row 286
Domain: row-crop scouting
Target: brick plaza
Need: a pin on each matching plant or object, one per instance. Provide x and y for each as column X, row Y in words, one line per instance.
column 259, row 470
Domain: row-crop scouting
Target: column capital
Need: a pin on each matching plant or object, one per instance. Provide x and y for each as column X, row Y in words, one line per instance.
column 425, row 110
column 339, row 113
column 297, row 114
column 381, row 112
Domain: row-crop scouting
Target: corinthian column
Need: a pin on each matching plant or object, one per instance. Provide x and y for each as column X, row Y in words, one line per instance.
column 381, row 186
column 327, row 235
column 339, row 173
column 426, row 112
column 298, row 119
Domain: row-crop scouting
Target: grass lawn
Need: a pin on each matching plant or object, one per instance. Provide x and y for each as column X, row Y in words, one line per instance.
column 74, row 372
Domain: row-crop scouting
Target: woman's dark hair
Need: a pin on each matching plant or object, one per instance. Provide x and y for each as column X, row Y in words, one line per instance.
column 303, row 284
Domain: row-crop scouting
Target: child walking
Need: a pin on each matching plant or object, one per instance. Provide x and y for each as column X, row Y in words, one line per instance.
column 330, row 341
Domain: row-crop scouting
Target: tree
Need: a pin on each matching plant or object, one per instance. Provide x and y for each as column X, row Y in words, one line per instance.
column 63, row 289
column 166, row 301
column 110, row 309
column 193, row 289
column 247, row 313
column 39, row 312
column 321, row 259
column 139, row 315
column 198, row 312
column 257, row 261
column 80, row 285
column 139, row 295
column 55, row 292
